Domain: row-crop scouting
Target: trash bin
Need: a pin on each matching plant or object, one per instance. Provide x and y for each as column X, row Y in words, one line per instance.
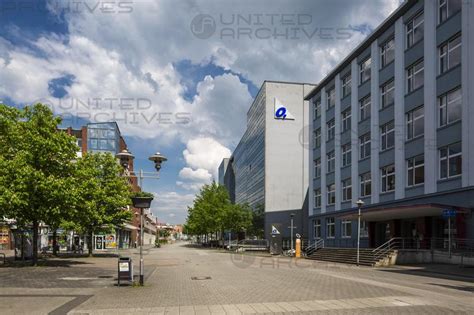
column 125, row 269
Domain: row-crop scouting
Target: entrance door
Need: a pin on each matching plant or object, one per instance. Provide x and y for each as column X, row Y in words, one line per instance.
column 382, row 233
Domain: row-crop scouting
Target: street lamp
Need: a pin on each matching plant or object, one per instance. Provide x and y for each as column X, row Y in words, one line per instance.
column 291, row 231
column 360, row 203
column 140, row 202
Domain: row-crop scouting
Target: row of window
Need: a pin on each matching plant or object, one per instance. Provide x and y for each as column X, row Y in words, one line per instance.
column 346, row 228
column 450, row 165
column 449, row 111
column 449, row 56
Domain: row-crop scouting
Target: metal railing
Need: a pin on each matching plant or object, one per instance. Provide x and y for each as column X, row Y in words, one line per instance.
column 463, row 246
column 386, row 248
column 249, row 244
column 319, row 243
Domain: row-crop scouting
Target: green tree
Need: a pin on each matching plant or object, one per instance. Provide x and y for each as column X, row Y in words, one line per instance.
column 35, row 167
column 258, row 221
column 102, row 195
column 213, row 212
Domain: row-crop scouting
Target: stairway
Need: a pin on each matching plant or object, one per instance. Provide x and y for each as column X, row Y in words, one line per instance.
column 349, row 256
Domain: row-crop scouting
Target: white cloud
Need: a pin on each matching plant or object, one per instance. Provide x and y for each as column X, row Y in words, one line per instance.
column 200, row 175
column 171, row 205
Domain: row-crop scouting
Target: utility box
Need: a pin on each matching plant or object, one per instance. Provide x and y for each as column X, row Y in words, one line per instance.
column 125, row 269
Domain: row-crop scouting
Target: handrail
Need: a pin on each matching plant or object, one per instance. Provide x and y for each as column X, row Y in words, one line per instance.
column 319, row 243
column 385, row 247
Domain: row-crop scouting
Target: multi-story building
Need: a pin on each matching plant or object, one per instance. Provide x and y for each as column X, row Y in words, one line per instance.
column 106, row 137
column 393, row 125
column 269, row 167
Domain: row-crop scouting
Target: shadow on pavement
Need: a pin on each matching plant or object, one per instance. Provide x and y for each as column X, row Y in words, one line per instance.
column 448, row 272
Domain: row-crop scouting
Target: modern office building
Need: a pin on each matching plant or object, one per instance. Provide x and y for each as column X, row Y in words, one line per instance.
column 393, row 125
column 269, row 167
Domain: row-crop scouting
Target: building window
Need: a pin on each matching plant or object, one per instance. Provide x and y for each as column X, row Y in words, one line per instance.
column 415, row 170
column 317, row 138
column 450, row 54
column 346, row 227
column 317, row 108
column 364, row 142
column 317, row 228
column 387, row 93
column 330, row 228
column 415, row 76
column 331, row 194
column 415, row 123
column 364, row 105
column 331, row 94
column 346, row 154
column 346, row 120
column 365, row 185
column 447, row 8
column 365, row 70
column 387, row 134
column 450, row 107
column 364, row 229
column 331, row 126
column 346, row 85
column 331, row 161
column 317, row 198
column 347, row 190
column 387, row 52
column 450, row 161
column 388, row 178
column 317, row 168
column 414, row 30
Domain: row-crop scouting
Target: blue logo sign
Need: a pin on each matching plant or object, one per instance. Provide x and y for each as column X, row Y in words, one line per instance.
column 281, row 112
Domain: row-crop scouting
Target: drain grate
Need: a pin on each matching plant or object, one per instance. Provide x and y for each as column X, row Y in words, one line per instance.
column 201, row 278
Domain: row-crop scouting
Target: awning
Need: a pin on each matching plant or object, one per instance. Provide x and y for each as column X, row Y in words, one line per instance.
column 129, row 227
column 398, row 212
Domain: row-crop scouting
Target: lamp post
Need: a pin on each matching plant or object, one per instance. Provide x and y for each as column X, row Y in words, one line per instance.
column 141, row 202
column 291, row 231
column 360, row 203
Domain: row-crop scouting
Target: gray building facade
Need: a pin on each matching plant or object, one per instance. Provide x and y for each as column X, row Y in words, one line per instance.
column 393, row 126
column 269, row 166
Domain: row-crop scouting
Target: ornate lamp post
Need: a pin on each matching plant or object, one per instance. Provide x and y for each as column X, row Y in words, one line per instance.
column 140, row 202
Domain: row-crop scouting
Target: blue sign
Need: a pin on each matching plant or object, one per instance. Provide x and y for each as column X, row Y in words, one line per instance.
column 281, row 111
column 449, row 213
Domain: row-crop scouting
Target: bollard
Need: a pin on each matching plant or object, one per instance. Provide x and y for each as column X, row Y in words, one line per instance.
column 298, row 248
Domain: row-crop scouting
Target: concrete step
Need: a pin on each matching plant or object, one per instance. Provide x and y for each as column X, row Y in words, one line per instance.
column 346, row 255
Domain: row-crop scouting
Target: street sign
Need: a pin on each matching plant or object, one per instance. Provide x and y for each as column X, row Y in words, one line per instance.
column 275, row 231
column 449, row 213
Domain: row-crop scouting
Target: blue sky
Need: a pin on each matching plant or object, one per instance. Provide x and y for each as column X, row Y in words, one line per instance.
column 152, row 65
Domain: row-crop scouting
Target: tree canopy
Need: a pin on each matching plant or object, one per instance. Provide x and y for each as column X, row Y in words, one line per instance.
column 42, row 180
column 213, row 212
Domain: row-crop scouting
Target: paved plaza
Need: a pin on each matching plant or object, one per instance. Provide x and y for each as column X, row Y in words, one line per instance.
column 186, row 280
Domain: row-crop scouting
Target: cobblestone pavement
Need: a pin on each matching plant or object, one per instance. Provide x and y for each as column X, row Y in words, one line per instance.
column 183, row 280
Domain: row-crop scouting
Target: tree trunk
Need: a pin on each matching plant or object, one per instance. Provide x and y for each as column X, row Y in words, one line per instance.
column 35, row 243
column 22, row 254
column 55, row 242
column 89, row 243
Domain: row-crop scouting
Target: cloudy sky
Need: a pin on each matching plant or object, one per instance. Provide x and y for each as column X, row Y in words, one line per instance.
column 177, row 76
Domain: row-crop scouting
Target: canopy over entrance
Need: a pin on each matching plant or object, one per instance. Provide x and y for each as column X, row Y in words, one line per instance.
column 399, row 212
